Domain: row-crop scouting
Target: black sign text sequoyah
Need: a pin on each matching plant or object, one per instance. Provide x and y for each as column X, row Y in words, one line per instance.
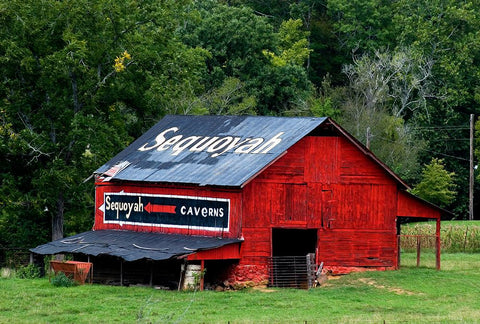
column 166, row 210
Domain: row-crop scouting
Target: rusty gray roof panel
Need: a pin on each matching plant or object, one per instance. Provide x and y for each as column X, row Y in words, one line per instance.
column 207, row 150
column 132, row 246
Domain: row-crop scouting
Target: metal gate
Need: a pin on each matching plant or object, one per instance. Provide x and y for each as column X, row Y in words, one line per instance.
column 292, row 271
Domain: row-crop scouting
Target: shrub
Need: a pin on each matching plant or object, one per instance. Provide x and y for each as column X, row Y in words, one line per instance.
column 61, row 280
column 28, row 272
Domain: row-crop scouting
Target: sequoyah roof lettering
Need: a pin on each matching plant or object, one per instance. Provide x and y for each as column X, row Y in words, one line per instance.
column 217, row 145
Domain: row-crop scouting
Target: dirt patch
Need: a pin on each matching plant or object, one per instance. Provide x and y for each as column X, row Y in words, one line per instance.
column 263, row 289
column 395, row 290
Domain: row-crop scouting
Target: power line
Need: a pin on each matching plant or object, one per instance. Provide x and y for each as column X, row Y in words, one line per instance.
column 447, row 155
column 434, row 152
column 440, row 128
column 447, row 139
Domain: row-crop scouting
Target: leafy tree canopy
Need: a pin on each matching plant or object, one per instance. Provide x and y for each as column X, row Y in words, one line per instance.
column 80, row 79
column 437, row 184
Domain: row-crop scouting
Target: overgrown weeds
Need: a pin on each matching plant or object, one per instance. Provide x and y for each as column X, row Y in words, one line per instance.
column 30, row 271
column 61, row 280
column 454, row 236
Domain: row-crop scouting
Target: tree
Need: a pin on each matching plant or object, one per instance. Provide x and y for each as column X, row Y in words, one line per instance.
column 245, row 46
column 80, row 79
column 293, row 46
column 228, row 99
column 437, row 184
column 446, row 31
column 385, row 95
column 362, row 26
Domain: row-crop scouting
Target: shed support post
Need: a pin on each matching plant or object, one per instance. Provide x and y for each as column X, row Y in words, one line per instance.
column 90, row 277
column 151, row 274
column 419, row 246
column 202, row 279
column 121, row 272
column 399, row 251
column 437, row 245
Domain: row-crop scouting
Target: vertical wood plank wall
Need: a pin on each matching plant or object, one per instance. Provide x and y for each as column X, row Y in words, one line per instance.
column 324, row 183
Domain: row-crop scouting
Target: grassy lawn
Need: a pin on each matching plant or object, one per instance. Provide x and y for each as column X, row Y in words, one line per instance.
column 408, row 295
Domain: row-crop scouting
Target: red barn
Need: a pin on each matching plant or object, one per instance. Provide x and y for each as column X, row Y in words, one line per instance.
column 233, row 193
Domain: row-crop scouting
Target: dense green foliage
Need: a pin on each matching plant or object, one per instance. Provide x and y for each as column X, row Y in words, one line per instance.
column 409, row 295
column 61, row 280
column 436, row 184
column 30, row 271
column 81, row 79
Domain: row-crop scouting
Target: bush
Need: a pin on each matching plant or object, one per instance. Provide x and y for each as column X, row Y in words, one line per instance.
column 61, row 280
column 28, row 272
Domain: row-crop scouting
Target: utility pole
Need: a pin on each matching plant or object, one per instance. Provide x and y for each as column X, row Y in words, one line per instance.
column 471, row 178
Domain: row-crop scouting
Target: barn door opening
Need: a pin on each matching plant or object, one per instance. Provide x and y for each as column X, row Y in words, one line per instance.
column 293, row 258
column 293, row 242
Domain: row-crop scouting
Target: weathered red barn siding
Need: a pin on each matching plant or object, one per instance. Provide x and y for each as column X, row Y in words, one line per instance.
column 324, row 183
column 411, row 206
column 234, row 195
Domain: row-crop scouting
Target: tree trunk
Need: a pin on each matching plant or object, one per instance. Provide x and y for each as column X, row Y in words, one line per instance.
column 57, row 221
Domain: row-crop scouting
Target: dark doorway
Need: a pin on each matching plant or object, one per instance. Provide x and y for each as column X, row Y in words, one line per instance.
column 293, row 242
column 293, row 258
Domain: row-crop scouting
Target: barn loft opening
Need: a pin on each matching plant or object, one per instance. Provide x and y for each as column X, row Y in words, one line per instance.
column 293, row 242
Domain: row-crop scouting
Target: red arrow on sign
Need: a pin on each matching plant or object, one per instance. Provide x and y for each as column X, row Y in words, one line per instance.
column 169, row 209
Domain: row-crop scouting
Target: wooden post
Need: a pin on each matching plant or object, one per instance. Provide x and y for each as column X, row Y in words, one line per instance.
column 419, row 244
column 437, row 245
column 91, row 274
column 399, row 251
column 471, row 177
column 90, row 277
column 202, row 268
column 121, row 272
column 151, row 274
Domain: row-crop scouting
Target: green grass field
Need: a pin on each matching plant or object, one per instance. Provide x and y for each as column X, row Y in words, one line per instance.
column 408, row 295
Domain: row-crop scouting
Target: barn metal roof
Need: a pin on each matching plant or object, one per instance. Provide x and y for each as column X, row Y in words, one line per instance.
column 237, row 148
column 132, row 246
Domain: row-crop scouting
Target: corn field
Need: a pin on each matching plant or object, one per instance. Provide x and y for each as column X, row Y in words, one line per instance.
column 454, row 236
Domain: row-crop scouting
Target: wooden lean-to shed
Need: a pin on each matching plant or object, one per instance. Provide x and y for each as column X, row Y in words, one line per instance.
column 234, row 193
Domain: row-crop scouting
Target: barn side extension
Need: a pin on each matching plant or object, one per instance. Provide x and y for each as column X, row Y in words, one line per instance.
column 262, row 188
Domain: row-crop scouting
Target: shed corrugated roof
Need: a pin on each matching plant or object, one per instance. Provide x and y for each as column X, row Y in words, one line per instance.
column 209, row 150
column 132, row 246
